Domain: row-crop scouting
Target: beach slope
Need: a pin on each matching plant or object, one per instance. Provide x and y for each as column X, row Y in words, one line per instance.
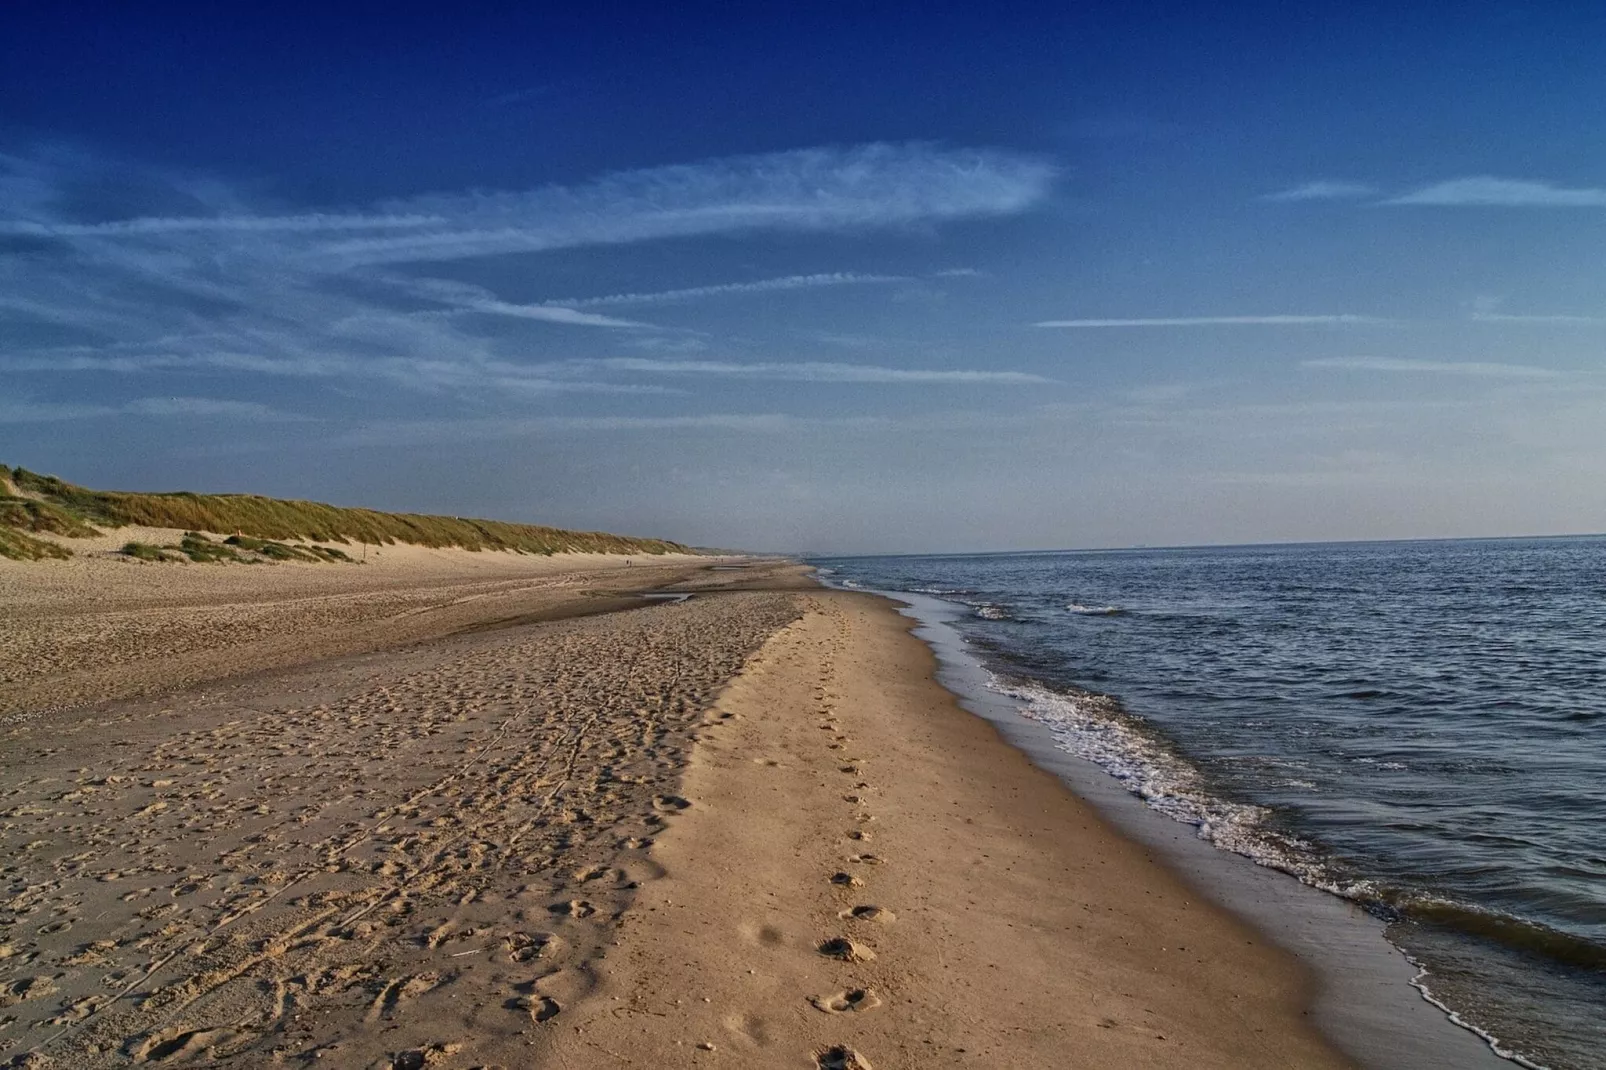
column 551, row 824
column 867, row 875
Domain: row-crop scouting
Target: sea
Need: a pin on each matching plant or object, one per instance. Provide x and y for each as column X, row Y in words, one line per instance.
column 1418, row 727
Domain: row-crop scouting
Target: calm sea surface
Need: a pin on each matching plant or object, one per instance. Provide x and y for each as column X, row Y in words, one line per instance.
column 1417, row 726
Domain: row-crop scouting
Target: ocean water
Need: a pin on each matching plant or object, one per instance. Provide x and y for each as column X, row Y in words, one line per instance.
column 1417, row 726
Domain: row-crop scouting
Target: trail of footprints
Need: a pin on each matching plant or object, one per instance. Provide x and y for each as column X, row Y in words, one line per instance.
column 478, row 824
column 850, row 946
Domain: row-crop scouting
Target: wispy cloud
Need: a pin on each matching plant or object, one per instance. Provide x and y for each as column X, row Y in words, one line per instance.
column 155, row 225
column 207, row 281
column 549, row 314
column 1560, row 320
column 1473, row 369
column 868, row 187
column 415, row 432
column 1219, row 321
column 824, row 372
column 189, row 408
column 1488, row 191
column 460, row 297
column 731, row 289
column 1325, row 190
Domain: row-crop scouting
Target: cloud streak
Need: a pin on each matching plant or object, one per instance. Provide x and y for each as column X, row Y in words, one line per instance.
column 1487, row 191
column 1471, row 369
column 1325, row 190
column 185, row 408
column 824, row 372
column 1218, row 321
column 329, row 295
column 732, row 289
column 1559, row 320
column 865, row 188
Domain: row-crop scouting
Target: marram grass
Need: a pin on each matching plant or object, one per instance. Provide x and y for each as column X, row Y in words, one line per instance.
column 32, row 502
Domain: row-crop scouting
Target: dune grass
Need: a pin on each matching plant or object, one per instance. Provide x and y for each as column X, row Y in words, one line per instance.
column 26, row 514
column 31, row 499
column 20, row 547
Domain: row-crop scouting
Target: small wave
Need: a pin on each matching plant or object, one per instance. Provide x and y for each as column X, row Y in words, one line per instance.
column 1503, row 929
column 1095, row 729
column 1420, row 983
column 1093, row 611
column 990, row 611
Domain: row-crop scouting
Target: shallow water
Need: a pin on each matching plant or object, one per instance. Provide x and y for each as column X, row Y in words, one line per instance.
column 1420, row 727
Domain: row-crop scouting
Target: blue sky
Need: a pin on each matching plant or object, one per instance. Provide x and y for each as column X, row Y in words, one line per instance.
column 1004, row 278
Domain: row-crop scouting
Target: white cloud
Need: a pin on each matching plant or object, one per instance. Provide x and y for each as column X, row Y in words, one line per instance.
column 203, row 407
column 823, row 372
column 156, row 225
column 549, row 314
column 1325, row 190
column 1216, row 321
column 732, row 289
column 179, row 407
column 1475, row 369
column 1488, row 191
column 232, row 287
column 867, row 187
column 415, row 432
column 1562, row 320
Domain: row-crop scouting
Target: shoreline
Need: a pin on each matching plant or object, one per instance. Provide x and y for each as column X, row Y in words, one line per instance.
column 1366, row 997
column 523, row 836
column 868, row 874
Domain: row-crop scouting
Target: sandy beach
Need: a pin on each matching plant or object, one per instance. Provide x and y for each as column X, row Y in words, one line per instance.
column 471, row 816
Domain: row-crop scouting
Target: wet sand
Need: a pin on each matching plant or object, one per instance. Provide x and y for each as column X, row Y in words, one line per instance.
column 747, row 829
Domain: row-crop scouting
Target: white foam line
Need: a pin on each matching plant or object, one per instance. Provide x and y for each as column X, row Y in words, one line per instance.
column 1488, row 1038
column 1141, row 767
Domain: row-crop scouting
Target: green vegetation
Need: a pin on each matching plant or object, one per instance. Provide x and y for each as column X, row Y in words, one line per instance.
column 26, row 514
column 19, row 547
column 281, row 552
column 144, row 551
column 267, row 527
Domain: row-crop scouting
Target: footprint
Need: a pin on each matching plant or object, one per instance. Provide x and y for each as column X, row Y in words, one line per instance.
column 24, row 989
column 541, row 1008
column 575, row 908
column 846, row 880
column 522, row 947
column 868, row 912
column 867, row 859
column 840, row 947
column 172, row 1042
column 670, row 803
column 841, row 1058
column 419, row 1058
column 854, row 999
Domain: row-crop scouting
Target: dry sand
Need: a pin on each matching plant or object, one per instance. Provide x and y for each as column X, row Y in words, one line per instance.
column 747, row 830
column 103, row 626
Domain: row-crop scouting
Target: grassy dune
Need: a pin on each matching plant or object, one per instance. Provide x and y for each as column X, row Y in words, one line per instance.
column 32, row 503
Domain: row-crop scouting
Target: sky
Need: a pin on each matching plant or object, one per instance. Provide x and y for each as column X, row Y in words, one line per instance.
column 880, row 279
